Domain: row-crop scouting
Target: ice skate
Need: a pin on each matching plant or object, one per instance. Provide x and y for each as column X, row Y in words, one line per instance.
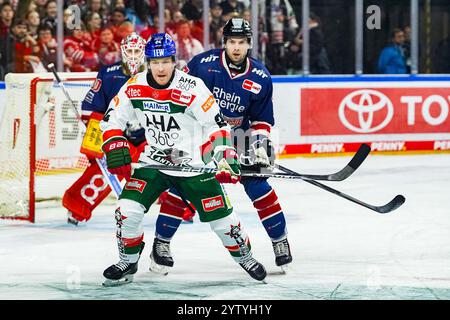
column 282, row 253
column 71, row 219
column 255, row 269
column 161, row 258
column 121, row 272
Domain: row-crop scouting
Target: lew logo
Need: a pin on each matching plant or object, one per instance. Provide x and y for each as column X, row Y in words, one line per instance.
column 211, row 204
column 209, row 59
column 158, row 52
column 180, row 96
column 156, row 107
column 251, row 86
column 133, row 93
column 260, row 72
column 136, row 184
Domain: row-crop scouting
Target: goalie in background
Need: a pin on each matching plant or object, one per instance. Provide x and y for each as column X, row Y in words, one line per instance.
column 91, row 188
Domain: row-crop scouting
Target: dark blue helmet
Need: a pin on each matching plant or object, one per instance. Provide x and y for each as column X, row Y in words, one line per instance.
column 160, row 45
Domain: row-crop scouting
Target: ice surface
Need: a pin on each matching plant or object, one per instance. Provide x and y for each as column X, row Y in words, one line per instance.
column 340, row 250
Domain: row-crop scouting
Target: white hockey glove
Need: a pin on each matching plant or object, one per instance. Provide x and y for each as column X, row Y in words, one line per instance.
column 261, row 154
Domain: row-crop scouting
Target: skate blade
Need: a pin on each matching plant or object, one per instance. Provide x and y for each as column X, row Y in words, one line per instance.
column 157, row 268
column 114, row 283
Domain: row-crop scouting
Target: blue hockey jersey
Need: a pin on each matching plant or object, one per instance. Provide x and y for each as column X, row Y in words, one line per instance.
column 245, row 100
column 108, row 83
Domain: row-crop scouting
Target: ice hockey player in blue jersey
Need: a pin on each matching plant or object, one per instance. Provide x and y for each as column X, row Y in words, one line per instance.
column 91, row 188
column 242, row 87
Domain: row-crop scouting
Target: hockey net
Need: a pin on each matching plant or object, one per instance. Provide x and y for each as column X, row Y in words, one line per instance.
column 40, row 138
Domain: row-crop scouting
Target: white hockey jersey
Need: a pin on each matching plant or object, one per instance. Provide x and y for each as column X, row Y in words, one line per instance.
column 182, row 123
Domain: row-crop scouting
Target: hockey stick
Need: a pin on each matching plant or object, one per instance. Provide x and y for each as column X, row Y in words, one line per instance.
column 390, row 206
column 110, row 178
column 357, row 159
column 342, row 174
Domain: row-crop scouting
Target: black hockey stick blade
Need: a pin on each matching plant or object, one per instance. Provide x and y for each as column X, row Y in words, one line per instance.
column 343, row 174
column 392, row 205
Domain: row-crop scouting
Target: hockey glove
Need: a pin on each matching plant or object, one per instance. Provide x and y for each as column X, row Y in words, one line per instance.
column 261, row 154
column 118, row 158
column 135, row 133
column 228, row 168
column 264, row 153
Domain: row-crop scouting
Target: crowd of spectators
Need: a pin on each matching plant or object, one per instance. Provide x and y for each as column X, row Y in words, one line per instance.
column 28, row 30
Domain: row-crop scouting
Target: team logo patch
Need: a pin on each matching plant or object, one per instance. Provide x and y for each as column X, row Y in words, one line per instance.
column 185, row 69
column 136, row 184
column 96, row 85
column 181, row 97
column 156, row 107
column 211, row 204
column 251, row 86
column 133, row 93
column 208, row 104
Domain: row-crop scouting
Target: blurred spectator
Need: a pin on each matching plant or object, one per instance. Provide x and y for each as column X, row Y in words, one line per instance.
column 108, row 50
column 6, row 19
column 215, row 20
column 93, row 25
column 216, row 38
column 392, row 58
column 407, row 47
column 281, row 26
column 119, row 4
column 78, row 51
column 40, row 7
column 176, row 18
column 51, row 10
column 231, row 8
column 6, row 39
column 138, row 13
column 190, row 11
column 247, row 15
column 318, row 61
column 187, row 46
column 24, row 7
column 117, row 17
column 151, row 29
column 48, row 48
column 33, row 21
column 96, row 6
column 26, row 48
column 125, row 29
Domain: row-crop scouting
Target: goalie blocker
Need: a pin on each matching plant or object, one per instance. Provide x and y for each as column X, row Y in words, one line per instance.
column 92, row 188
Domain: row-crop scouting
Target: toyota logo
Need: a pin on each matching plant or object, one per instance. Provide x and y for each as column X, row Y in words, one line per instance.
column 369, row 106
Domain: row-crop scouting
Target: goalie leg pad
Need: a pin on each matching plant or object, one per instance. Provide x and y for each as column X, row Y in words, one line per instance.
column 86, row 193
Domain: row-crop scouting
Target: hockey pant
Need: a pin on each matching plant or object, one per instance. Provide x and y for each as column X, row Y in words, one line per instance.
column 203, row 191
column 258, row 190
column 91, row 189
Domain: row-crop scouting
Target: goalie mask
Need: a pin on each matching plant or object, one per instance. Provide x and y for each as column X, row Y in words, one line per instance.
column 133, row 49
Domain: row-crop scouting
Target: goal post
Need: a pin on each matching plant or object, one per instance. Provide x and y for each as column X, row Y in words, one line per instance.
column 40, row 138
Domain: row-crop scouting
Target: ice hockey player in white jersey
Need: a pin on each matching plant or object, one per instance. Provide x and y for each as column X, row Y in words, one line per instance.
column 180, row 116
